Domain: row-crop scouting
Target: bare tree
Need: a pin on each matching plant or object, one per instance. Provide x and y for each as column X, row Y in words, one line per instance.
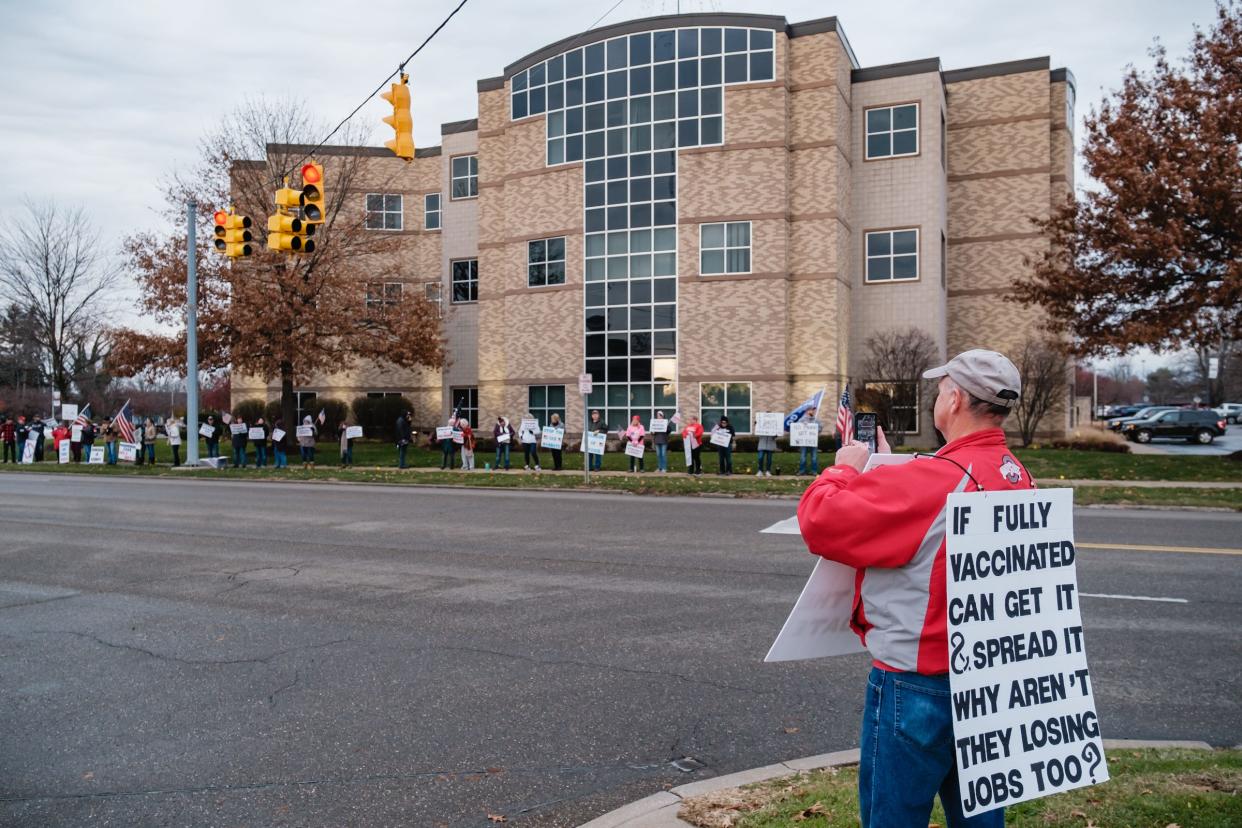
column 893, row 374
column 52, row 267
column 1044, row 366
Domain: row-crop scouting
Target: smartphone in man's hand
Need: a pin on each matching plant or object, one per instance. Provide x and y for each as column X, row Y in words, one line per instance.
column 864, row 429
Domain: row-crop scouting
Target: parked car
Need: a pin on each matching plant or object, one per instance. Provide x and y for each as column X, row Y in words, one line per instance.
column 1200, row 425
column 1232, row 412
column 1116, row 423
column 1119, row 411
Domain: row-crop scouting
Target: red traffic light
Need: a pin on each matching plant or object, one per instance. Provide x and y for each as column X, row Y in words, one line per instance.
column 221, row 216
column 310, row 174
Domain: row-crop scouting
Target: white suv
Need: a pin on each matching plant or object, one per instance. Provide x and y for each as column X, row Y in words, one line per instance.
column 1232, row 412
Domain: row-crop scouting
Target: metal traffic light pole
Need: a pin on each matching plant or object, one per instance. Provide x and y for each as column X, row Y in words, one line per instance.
column 191, row 339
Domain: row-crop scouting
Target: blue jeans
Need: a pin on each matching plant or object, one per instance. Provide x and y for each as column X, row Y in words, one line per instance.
column 765, row 460
column 401, row 450
column 347, row 456
column 595, row 462
column 213, row 448
column 661, row 456
column 151, row 453
column 239, row 457
column 447, row 450
column 260, row 455
column 282, row 459
column 308, row 453
column 502, row 448
column 724, row 459
column 110, row 453
column 907, row 754
column 813, row 467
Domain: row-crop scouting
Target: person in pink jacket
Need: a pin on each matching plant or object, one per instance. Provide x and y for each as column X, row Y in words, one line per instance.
column 635, row 435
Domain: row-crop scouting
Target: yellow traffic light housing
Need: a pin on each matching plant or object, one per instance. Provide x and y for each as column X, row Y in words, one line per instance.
column 312, row 200
column 232, row 234
column 402, row 144
column 285, row 231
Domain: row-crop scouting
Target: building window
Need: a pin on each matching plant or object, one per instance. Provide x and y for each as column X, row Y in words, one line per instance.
column 384, row 211
column 725, row 399
column 306, row 405
column 465, row 281
column 893, row 131
column 724, row 248
column 466, row 402
column 546, row 400
column 383, row 295
column 379, row 395
column 897, row 403
column 545, row 262
column 892, row 255
column 465, row 176
column 431, row 211
column 433, row 293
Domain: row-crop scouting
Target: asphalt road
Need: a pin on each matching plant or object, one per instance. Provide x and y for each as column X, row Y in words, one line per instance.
column 228, row 653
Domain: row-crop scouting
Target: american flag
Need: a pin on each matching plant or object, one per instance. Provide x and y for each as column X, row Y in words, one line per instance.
column 323, row 415
column 123, row 424
column 845, row 417
column 83, row 417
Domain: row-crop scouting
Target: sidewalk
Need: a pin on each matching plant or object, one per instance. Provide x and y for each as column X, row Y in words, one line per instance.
column 660, row 810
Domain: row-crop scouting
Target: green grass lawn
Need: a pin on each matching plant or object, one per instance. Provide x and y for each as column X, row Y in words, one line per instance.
column 1147, row 789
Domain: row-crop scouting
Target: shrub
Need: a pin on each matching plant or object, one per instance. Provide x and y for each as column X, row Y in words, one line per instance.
column 273, row 413
column 247, row 411
column 1092, row 440
column 378, row 415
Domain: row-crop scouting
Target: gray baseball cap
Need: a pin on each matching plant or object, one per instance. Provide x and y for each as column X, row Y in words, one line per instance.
column 985, row 374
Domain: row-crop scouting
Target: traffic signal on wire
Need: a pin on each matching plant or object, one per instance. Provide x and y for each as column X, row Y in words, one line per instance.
column 311, row 200
column 285, row 231
column 232, row 234
column 402, row 144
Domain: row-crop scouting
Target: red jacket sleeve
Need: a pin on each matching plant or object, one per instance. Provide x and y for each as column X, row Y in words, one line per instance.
column 874, row 519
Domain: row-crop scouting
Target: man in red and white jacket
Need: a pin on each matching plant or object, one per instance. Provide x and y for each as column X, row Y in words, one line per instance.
column 890, row 525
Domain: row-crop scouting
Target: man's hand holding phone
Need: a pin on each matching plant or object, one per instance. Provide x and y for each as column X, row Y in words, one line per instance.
column 856, row 452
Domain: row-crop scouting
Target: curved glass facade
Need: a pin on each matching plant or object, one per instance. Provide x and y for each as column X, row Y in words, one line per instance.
column 623, row 107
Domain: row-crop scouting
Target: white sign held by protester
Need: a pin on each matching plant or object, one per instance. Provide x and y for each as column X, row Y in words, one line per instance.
column 634, row 450
column 305, row 431
column 553, row 437
column 127, row 452
column 226, row 417
column 28, row 450
column 257, row 433
column 63, row 451
column 586, row 384
column 97, row 456
column 769, row 423
column 444, row 432
column 502, row 437
column 174, row 436
column 803, row 435
column 659, row 426
column 238, row 428
column 818, row 626
column 596, row 441
column 1024, row 720
column 69, row 411
column 353, row 432
column 529, row 425
column 206, row 430
column 721, row 438
column 75, row 434
column 278, row 434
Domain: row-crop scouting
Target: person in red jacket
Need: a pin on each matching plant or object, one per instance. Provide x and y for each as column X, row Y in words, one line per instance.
column 890, row 525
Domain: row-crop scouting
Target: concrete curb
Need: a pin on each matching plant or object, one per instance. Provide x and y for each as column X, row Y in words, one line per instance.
column 660, row 810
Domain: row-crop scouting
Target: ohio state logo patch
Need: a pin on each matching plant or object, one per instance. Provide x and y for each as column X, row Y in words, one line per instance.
column 1010, row 470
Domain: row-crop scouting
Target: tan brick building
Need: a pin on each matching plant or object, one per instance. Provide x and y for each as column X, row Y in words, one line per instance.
column 713, row 212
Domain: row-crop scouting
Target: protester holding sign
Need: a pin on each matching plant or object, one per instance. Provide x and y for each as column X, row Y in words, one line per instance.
column 659, row 439
column 554, row 422
column 890, row 523
column 467, row 444
column 767, row 449
column 347, row 445
column 503, row 434
column 405, row 435
column 529, row 436
column 306, row 434
column 597, row 426
column 634, row 435
column 280, row 444
column 149, row 435
column 810, row 453
column 258, row 437
column 173, row 428
column 722, row 439
column 448, row 449
column 692, row 434
column 210, row 431
column 109, row 433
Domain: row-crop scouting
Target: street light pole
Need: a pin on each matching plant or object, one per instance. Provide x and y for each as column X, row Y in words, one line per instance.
column 191, row 339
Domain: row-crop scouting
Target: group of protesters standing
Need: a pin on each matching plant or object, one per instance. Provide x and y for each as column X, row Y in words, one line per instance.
column 81, row 434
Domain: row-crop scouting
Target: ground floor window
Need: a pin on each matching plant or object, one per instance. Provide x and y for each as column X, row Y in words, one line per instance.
column 306, row 404
column 545, row 400
column 466, row 401
column 896, row 403
column 725, row 399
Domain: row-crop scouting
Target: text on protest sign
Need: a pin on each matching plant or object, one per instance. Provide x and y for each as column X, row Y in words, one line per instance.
column 69, row 411
column 353, row 432
column 63, row 451
column 444, row 432
column 553, row 437
column 305, row 431
column 769, row 423
column 721, row 438
column 803, row 435
column 127, row 451
column 278, row 434
column 634, row 450
column 596, row 441
column 206, row 430
column 530, row 425
column 238, row 428
column 97, row 455
column 459, row 437
column 28, row 451
column 658, row 426
column 257, row 433
column 1024, row 720
column 502, row 437
column 75, row 434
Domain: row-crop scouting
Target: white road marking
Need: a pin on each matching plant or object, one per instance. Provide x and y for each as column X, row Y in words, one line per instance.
column 788, row 526
column 1134, row 597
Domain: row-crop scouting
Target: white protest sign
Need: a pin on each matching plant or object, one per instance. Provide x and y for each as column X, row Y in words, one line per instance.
column 459, row 437
column 818, row 626
column 676, row 418
column 127, row 451
column 529, row 426
column 257, row 433
column 75, row 434
column 803, row 434
column 688, row 446
column 1024, row 721
column 659, row 426
column 174, row 436
column 97, row 456
column 769, row 423
column 278, row 434
column 585, row 384
column 721, row 438
column 227, row 417
column 206, row 430
column 353, row 432
column 553, row 437
column 596, row 441
column 29, row 449
column 238, row 428
column 444, row 432
column 634, row 450
column 63, row 450
column 69, row 411
column 305, row 431
column 502, row 437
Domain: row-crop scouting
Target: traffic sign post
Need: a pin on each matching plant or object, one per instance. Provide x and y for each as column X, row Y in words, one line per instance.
column 585, row 386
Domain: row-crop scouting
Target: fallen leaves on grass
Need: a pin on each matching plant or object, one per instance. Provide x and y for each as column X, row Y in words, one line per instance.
column 810, row 812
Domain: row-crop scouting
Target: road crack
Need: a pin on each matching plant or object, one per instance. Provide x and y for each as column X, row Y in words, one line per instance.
column 191, row 661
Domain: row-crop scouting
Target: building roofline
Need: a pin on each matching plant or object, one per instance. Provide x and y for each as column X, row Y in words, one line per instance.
column 492, row 84
column 362, row 152
column 992, row 70
column 819, row 26
column 1064, row 75
column 646, row 24
column 457, row 127
column 895, row 70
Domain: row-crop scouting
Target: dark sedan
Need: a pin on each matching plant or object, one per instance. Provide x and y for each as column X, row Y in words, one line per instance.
column 1115, row 423
column 1196, row 425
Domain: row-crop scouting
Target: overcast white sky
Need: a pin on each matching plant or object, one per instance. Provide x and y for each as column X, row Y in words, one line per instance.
column 103, row 97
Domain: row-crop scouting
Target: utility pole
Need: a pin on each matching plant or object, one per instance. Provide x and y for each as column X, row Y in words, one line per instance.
column 191, row 339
